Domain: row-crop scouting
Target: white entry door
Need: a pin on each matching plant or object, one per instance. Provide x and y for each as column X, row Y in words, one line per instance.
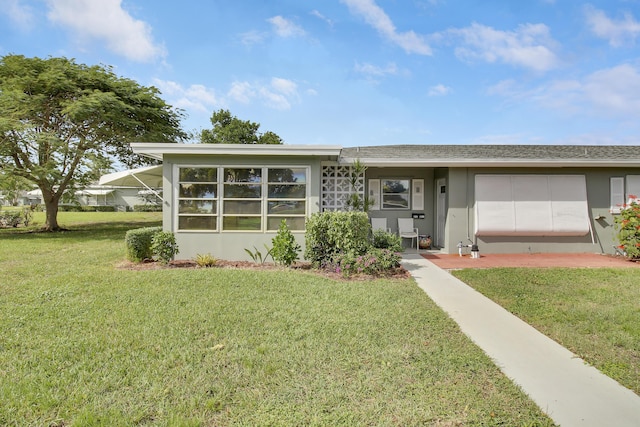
column 441, row 211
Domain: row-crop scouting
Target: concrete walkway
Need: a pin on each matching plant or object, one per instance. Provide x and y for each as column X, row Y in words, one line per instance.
column 562, row 385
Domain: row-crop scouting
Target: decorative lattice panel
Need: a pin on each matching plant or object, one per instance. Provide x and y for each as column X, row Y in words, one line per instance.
column 336, row 186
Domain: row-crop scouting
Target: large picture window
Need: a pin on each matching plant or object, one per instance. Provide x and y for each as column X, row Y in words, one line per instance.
column 197, row 198
column 395, row 193
column 241, row 198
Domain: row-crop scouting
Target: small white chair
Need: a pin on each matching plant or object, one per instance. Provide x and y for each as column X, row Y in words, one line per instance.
column 379, row 224
column 406, row 230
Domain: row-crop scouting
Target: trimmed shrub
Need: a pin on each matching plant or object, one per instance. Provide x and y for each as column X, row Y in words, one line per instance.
column 285, row 248
column 164, row 246
column 331, row 233
column 138, row 243
column 385, row 240
column 10, row 218
column 374, row 261
column 147, row 208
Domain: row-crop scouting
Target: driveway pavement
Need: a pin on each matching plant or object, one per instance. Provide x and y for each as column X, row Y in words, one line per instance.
column 571, row 392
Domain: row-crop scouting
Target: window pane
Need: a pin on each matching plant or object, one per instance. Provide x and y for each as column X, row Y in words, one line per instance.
column 243, row 175
column 298, row 175
column 287, row 191
column 198, row 191
column 294, row 223
column 197, row 206
column 395, row 201
column 395, row 186
column 242, row 207
column 284, row 208
column 197, row 222
column 198, row 174
column 242, row 191
column 241, row 223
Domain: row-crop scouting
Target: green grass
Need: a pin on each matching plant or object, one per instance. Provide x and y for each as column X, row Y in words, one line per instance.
column 86, row 344
column 593, row 312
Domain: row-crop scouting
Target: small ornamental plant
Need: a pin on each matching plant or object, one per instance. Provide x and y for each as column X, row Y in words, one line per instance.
column 164, row 246
column 627, row 224
column 285, row 248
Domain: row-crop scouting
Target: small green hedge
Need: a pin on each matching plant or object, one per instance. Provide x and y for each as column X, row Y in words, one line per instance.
column 138, row 242
column 332, row 233
column 79, row 208
column 147, row 208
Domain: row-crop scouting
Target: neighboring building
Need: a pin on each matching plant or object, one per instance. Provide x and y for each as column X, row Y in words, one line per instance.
column 121, row 198
column 221, row 199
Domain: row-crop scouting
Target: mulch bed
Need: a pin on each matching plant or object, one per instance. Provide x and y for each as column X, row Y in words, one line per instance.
column 397, row 273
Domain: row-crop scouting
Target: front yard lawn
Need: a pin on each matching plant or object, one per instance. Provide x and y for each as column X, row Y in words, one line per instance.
column 593, row 312
column 84, row 343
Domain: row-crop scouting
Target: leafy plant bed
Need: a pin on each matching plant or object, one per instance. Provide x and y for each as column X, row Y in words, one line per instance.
column 396, row 273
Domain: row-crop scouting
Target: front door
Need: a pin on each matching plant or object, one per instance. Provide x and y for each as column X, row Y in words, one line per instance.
column 441, row 211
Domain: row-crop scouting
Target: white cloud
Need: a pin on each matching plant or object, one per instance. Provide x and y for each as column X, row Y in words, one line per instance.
column 20, row 14
column 320, row 16
column 375, row 16
column 195, row 97
column 439, row 90
column 529, row 46
column 279, row 93
column 375, row 71
column 107, row 21
column 612, row 93
column 285, row 28
column 252, row 37
column 618, row 32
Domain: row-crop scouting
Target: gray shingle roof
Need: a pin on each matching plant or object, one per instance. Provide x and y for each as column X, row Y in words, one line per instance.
column 495, row 153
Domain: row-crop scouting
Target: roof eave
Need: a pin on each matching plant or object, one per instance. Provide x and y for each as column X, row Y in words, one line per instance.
column 158, row 150
column 452, row 163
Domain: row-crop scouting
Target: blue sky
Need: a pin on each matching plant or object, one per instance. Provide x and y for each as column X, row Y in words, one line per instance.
column 364, row 72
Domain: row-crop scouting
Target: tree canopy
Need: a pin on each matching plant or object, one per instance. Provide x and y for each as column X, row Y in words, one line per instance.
column 61, row 122
column 228, row 129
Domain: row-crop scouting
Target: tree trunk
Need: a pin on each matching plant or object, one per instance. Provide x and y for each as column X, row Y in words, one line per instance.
column 51, row 206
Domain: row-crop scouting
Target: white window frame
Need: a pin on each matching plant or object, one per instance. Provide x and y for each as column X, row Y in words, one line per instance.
column 177, row 198
column 220, row 197
column 382, row 194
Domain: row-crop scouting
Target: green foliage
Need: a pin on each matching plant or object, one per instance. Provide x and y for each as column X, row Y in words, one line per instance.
column 356, row 202
column 27, row 215
column 285, row 248
column 206, row 260
column 228, row 129
column 385, row 240
column 147, row 208
column 138, row 243
column 163, row 246
column 331, row 233
column 257, row 256
column 627, row 224
column 62, row 123
column 10, row 218
column 374, row 261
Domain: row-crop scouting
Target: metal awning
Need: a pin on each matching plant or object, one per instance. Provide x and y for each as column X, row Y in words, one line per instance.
column 147, row 177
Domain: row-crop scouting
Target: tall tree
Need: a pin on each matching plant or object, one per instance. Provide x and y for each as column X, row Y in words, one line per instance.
column 228, row 129
column 59, row 120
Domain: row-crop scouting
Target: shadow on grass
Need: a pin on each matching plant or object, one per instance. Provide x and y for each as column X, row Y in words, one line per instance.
column 77, row 232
